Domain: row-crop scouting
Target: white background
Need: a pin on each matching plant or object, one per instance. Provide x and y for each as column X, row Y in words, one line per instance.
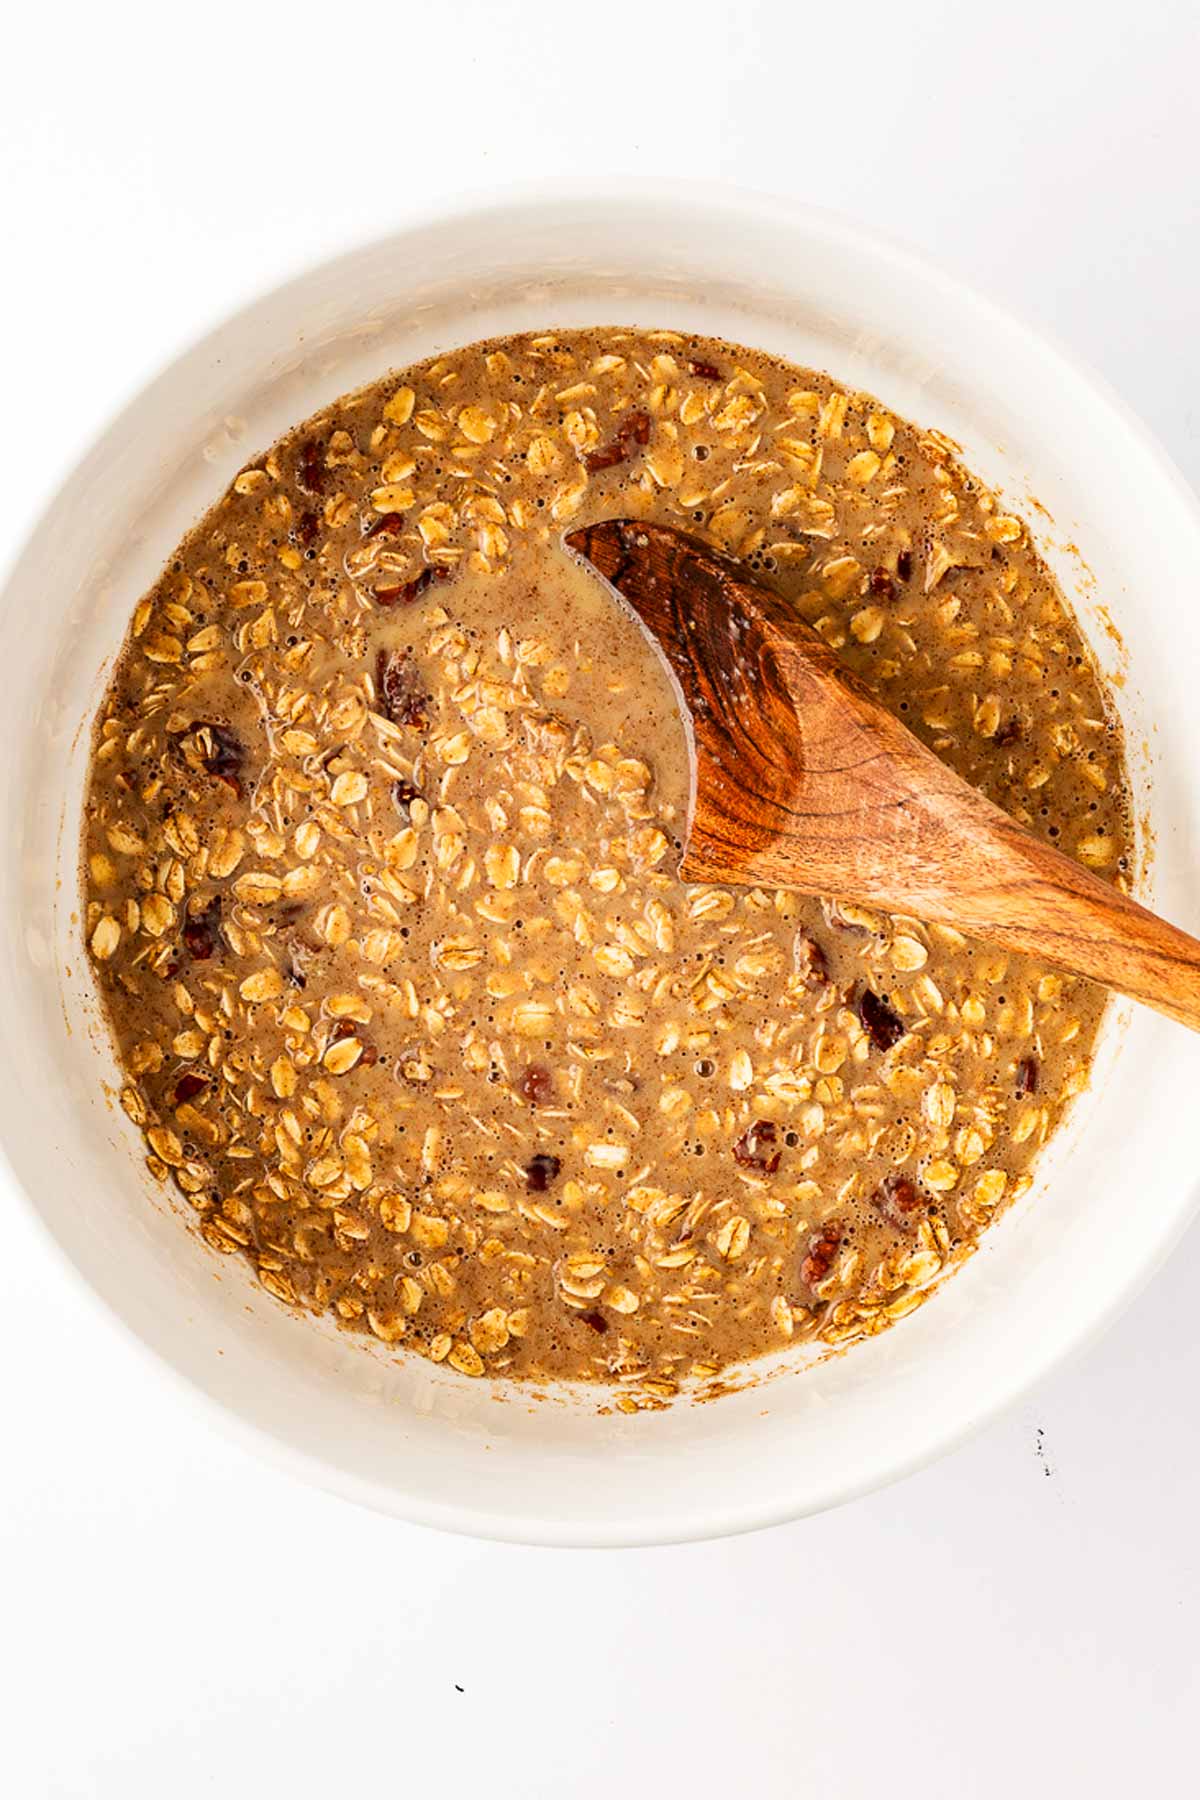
column 176, row 1621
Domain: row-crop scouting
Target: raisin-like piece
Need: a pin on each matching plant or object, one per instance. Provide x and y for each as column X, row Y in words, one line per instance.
column 596, row 1320
column 308, row 528
column 882, row 585
column 402, row 699
column 1027, row 1072
column 898, row 1199
column 386, row 525
column 704, row 371
column 310, row 469
column 537, row 1085
column 882, row 1024
column 188, row 1086
column 403, row 795
column 904, row 565
column 541, row 1170
column 1007, row 733
column 201, row 931
column 632, row 433
column 755, row 1149
column 823, row 1246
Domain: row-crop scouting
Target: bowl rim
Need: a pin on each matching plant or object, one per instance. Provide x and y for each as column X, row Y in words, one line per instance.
column 782, row 212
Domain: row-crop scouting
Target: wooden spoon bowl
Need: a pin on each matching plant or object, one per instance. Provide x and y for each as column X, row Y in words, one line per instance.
column 802, row 779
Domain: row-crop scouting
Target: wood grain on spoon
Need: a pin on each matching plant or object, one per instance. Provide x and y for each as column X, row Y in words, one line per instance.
column 801, row 779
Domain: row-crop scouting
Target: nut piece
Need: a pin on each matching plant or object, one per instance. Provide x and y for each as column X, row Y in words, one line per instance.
column 899, row 1200
column 823, row 1246
column 756, row 1148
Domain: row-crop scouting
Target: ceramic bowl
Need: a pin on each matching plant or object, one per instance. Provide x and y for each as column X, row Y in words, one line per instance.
column 395, row 1432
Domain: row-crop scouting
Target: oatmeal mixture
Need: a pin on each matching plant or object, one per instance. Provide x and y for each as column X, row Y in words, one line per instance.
column 380, row 848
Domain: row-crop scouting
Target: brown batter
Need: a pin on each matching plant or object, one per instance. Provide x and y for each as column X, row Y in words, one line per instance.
column 384, row 814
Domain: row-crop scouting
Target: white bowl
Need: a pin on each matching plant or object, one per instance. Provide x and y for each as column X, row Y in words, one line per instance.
column 399, row 1434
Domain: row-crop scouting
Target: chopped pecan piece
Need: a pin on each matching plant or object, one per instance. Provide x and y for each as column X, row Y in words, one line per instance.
column 756, row 1148
column 201, row 930
column 823, row 1246
column 811, row 963
column 899, row 1200
column 631, row 434
column 217, row 750
column 402, row 699
column 405, row 592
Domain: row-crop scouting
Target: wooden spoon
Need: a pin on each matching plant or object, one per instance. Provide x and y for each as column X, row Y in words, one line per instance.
column 801, row 779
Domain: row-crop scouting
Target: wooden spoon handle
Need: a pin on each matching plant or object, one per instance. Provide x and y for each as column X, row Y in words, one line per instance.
column 875, row 816
column 1009, row 887
column 803, row 780
column 1034, row 899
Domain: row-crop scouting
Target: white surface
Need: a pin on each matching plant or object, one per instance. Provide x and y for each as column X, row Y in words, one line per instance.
column 178, row 1619
column 424, row 1442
